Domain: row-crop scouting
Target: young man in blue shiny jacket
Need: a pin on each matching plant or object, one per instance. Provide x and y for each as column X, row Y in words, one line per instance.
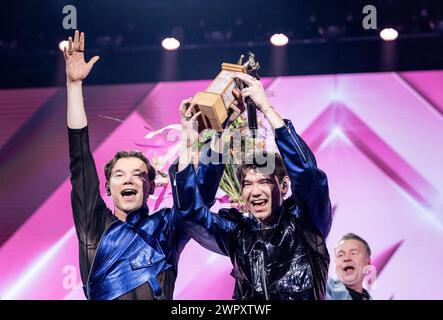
column 127, row 253
column 278, row 250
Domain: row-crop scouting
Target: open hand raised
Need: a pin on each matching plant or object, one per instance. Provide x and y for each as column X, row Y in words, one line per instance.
column 77, row 69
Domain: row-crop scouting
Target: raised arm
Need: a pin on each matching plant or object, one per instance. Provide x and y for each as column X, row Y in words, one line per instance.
column 76, row 71
column 209, row 166
column 309, row 184
column 210, row 230
column 194, row 192
column 209, row 172
column 211, row 162
column 89, row 209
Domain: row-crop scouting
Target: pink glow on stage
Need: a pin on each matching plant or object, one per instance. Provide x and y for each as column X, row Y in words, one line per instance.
column 377, row 137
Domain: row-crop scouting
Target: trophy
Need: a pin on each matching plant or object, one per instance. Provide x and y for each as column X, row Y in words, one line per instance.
column 215, row 102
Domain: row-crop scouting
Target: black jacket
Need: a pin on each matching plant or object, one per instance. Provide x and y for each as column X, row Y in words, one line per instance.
column 287, row 261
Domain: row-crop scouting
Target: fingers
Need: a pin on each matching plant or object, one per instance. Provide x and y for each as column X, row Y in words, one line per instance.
column 189, row 111
column 235, row 110
column 77, row 45
column 195, row 116
column 245, row 78
column 241, row 106
column 186, row 109
column 76, row 40
column 65, row 52
column 93, row 61
column 246, row 92
column 70, row 46
column 184, row 106
column 82, row 42
column 238, row 100
column 237, row 94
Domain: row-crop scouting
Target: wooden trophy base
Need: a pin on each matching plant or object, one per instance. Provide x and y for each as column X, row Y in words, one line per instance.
column 217, row 99
column 214, row 111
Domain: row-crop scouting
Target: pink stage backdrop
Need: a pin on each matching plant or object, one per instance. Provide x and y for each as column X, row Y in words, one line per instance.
column 377, row 136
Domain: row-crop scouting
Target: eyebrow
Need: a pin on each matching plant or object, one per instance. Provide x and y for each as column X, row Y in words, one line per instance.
column 341, row 250
column 135, row 170
column 140, row 171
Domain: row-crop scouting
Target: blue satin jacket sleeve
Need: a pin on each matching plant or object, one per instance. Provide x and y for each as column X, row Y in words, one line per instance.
column 208, row 176
column 309, row 185
column 194, row 193
column 210, row 230
column 209, row 173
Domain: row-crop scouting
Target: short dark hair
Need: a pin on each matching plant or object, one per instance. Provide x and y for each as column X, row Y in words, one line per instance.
column 129, row 154
column 353, row 236
column 279, row 171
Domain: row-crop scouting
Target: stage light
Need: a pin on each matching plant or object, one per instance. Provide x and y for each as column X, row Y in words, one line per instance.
column 333, row 32
column 170, row 44
column 279, row 40
column 389, row 34
column 63, row 44
column 337, row 131
column 335, row 95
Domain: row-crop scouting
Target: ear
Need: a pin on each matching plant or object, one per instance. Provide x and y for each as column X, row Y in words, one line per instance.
column 108, row 189
column 151, row 187
column 284, row 185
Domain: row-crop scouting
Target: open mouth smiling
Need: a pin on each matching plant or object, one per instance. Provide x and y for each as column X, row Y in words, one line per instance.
column 348, row 269
column 128, row 194
column 260, row 203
